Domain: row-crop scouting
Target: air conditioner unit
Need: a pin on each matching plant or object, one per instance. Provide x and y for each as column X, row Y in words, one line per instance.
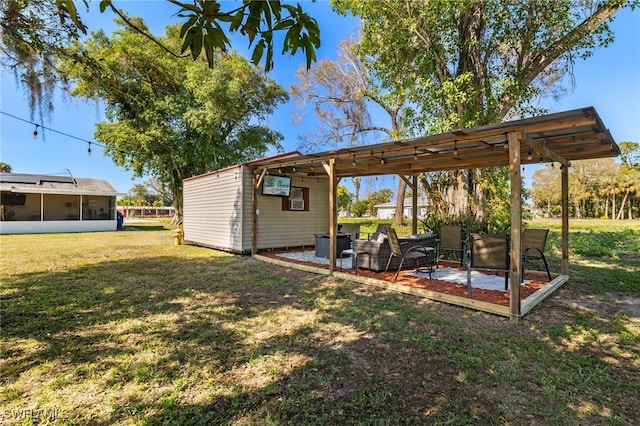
column 296, row 204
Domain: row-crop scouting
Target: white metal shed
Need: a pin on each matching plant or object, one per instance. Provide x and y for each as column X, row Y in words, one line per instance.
column 218, row 211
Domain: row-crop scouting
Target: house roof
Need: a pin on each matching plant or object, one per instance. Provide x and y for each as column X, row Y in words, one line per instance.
column 47, row 184
column 408, row 202
column 561, row 137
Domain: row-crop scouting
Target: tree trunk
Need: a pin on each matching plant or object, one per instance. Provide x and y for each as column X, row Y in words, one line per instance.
column 356, row 187
column 613, row 204
column 458, row 193
column 624, row 200
column 479, row 199
column 402, row 188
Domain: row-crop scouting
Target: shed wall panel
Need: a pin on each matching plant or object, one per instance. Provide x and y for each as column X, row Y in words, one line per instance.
column 213, row 209
column 247, row 217
column 278, row 228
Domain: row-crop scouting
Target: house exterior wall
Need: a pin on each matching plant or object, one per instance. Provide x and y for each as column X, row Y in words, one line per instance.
column 218, row 213
column 213, row 210
column 386, row 212
column 281, row 229
column 57, row 226
column 58, row 213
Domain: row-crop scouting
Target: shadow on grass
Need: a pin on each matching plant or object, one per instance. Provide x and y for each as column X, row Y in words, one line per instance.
column 144, row 228
column 227, row 340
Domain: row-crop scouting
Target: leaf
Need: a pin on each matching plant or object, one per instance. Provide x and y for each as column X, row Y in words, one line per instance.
column 186, row 42
column 284, row 24
column 104, row 4
column 211, row 8
column 196, row 44
column 208, row 49
column 185, row 27
column 237, row 21
column 67, row 8
column 269, row 61
column 257, row 52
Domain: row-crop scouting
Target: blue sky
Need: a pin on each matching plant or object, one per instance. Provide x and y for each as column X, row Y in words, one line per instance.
column 609, row 81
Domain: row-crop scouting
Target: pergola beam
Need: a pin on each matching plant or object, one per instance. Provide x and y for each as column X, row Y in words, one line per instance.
column 546, row 152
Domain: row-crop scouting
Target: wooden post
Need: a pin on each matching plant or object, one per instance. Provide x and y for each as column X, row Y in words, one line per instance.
column 333, row 215
column 255, row 183
column 564, row 178
column 516, row 225
column 414, row 209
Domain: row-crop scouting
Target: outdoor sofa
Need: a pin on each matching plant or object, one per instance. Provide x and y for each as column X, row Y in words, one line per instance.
column 379, row 250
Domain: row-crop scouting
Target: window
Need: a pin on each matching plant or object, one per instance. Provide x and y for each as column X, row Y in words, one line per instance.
column 298, row 200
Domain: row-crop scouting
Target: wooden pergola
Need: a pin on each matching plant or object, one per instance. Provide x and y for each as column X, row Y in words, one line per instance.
column 560, row 138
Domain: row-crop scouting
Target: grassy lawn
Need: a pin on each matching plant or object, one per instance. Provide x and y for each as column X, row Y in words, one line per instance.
column 127, row 328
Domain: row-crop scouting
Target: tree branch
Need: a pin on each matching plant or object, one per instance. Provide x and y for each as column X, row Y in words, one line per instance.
column 542, row 59
column 149, row 36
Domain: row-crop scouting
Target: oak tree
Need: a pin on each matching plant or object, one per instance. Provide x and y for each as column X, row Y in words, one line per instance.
column 477, row 62
column 172, row 119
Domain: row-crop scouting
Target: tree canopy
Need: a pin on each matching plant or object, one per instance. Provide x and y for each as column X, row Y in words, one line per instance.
column 479, row 62
column 344, row 97
column 37, row 33
column 173, row 119
column 599, row 188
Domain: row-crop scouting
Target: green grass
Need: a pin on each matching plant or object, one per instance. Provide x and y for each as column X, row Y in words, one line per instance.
column 127, row 328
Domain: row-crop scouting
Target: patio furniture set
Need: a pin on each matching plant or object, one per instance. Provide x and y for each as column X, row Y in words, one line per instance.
column 384, row 250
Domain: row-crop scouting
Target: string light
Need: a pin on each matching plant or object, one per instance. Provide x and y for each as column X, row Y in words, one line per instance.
column 415, row 153
column 529, row 155
column 35, row 132
column 353, row 163
column 89, row 149
column 382, row 159
column 455, row 147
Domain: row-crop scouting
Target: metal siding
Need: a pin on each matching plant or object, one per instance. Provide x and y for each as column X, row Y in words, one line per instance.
column 218, row 213
column 213, row 210
column 247, row 217
column 278, row 229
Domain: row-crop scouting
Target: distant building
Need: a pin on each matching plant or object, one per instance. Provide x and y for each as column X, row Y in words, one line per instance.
column 388, row 210
column 46, row 204
column 146, row 211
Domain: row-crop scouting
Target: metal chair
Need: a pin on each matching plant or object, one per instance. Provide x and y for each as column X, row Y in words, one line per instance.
column 414, row 252
column 491, row 253
column 379, row 230
column 533, row 243
column 451, row 240
column 352, row 229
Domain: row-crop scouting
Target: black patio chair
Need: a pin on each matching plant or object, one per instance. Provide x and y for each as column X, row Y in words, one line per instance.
column 408, row 252
column 451, row 240
column 489, row 253
column 533, row 243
